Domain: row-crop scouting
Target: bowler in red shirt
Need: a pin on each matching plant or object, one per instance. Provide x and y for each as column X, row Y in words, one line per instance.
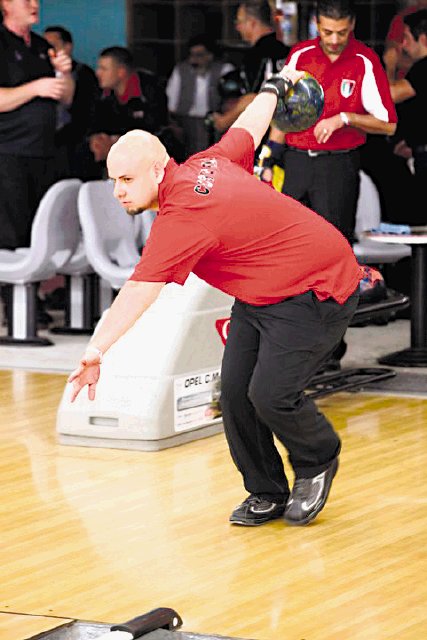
column 295, row 282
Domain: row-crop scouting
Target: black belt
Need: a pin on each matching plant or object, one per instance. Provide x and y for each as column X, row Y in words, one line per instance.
column 313, row 153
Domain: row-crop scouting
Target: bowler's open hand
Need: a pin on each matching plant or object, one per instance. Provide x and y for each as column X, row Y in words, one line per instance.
column 87, row 373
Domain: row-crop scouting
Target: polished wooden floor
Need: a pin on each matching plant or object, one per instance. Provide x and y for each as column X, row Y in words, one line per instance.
column 105, row 535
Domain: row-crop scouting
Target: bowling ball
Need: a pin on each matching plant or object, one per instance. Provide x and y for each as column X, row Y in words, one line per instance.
column 372, row 287
column 301, row 107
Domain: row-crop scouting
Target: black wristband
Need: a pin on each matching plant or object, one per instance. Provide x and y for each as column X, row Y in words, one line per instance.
column 277, row 85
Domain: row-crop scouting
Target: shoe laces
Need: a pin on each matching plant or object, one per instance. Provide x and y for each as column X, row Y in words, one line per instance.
column 257, row 500
column 253, row 499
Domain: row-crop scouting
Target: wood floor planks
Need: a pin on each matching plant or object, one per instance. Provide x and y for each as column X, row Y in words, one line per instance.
column 105, row 535
column 14, row 626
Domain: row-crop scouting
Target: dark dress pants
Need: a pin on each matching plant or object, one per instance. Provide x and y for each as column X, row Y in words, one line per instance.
column 328, row 184
column 271, row 354
column 23, row 183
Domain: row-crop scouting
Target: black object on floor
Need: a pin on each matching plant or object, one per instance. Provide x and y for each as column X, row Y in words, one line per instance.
column 79, row 630
column 402, row 383
column 159, row 624
column 380, row 312
column 332, row 379
column 347, row 380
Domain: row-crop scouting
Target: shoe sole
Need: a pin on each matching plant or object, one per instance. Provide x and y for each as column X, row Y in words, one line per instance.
column 310, row 518
column 246, row 523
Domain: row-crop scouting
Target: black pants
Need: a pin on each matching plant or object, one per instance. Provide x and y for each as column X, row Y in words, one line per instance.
column 23, row 182
column 327, row 184
column 271, row 354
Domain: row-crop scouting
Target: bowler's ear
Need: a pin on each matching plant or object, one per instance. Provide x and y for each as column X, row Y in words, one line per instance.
column 159, row 171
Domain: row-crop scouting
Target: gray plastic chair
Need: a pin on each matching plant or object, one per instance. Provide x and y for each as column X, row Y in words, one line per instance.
column 54, row 237
column 368, row 216
column 112, row 238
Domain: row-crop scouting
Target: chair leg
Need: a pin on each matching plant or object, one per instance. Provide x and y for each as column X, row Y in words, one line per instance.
column 22, row 317
column 80, row 311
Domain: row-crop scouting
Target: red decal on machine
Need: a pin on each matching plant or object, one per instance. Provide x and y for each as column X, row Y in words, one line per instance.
column 223, row 326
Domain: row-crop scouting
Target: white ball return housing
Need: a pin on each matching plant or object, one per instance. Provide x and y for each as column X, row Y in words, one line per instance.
column 159, row 382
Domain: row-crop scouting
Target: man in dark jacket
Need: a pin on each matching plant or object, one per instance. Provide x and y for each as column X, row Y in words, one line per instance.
column 265, row 56
column 130, row 100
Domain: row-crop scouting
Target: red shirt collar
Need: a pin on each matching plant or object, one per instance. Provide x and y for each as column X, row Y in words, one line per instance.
column 132, row 90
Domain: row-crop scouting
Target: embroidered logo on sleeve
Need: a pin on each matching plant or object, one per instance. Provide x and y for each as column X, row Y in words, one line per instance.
column 206, row 176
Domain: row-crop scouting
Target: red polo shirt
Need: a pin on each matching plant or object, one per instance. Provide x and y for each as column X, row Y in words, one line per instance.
column 356, row 82
column 239, row 235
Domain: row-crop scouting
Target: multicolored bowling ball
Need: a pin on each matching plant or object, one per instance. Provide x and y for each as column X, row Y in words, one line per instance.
column 301, row 107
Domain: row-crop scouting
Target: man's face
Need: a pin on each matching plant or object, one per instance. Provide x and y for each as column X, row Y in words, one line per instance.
column 200, row 58
column 334, row 34
column 244, row 24
column 135, row 184
column 412, row 47
column 108, row 72
column 55, row 41
column 24, row 13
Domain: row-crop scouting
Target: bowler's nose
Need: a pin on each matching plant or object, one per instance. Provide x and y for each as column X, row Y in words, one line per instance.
column 118, row 190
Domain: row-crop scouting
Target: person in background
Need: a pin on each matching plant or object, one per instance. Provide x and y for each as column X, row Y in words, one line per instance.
column 130, row 99
column 265, row 55
column 73, row 121
column 412, row 90
column 192, row 91
column 295, row 280
column 33, row 81
column 396, row 61
column 388, row 161
column 322, row 163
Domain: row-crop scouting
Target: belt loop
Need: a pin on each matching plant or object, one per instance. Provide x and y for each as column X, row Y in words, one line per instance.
column 312, row 154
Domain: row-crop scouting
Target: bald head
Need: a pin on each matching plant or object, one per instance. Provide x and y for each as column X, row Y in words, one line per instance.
column 139, row 146
column 136, row 163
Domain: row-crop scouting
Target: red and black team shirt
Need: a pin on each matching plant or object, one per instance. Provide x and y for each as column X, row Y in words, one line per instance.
column 220, row 222
column 356, row 82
